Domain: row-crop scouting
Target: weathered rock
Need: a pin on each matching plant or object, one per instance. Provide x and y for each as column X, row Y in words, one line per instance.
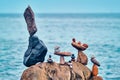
column 54, row 71
column 97, row 78
column 36, row 51
column 30, row 20
column 82, row 58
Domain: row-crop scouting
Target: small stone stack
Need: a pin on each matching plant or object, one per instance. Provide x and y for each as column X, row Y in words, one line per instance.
column 81, row 58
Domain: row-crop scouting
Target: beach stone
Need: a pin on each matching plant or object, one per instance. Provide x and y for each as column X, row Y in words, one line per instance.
column 30, row 20
column 36, row 51
column 55, row 71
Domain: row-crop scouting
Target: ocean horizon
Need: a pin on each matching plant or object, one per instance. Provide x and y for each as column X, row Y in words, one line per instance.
column 99, row 30
column 66, row 15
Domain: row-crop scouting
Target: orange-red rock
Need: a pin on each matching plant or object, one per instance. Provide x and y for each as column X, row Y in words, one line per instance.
column 95, row 70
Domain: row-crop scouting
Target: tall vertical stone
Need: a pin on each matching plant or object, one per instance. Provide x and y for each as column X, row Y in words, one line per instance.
column 30, row 20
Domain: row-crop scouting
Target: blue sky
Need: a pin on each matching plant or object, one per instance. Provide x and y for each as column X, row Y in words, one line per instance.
column 61, row 6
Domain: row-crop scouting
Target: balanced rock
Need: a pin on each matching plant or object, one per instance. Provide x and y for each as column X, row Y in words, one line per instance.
column 54, row 71
column 72, row 57
column 61, row 54
column 49, row 60
column 30, row 20
column 81, row 58
column 95, row 66
column 36, row 51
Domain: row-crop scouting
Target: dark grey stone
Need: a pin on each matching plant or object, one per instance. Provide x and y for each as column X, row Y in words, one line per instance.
column 36, row 51
column 50, row 59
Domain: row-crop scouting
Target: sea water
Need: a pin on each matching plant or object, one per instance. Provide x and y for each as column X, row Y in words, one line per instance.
column 100, row 31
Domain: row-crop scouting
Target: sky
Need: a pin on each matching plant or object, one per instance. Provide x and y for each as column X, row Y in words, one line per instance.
column 61, row 6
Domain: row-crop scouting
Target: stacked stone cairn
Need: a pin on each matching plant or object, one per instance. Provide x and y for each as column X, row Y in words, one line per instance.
column 34, row 57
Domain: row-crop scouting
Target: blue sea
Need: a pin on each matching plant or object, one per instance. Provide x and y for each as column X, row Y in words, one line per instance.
column 100, row 31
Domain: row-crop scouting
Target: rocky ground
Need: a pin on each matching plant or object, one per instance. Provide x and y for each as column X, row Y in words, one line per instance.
column 55, row 71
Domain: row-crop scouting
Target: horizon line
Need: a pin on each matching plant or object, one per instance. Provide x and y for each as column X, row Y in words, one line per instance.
column 71, row 13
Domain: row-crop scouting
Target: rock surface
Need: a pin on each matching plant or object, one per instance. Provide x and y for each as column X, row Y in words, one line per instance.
column 36, row 51
column 97, row 78
column 82, row 58
column 54, row 71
